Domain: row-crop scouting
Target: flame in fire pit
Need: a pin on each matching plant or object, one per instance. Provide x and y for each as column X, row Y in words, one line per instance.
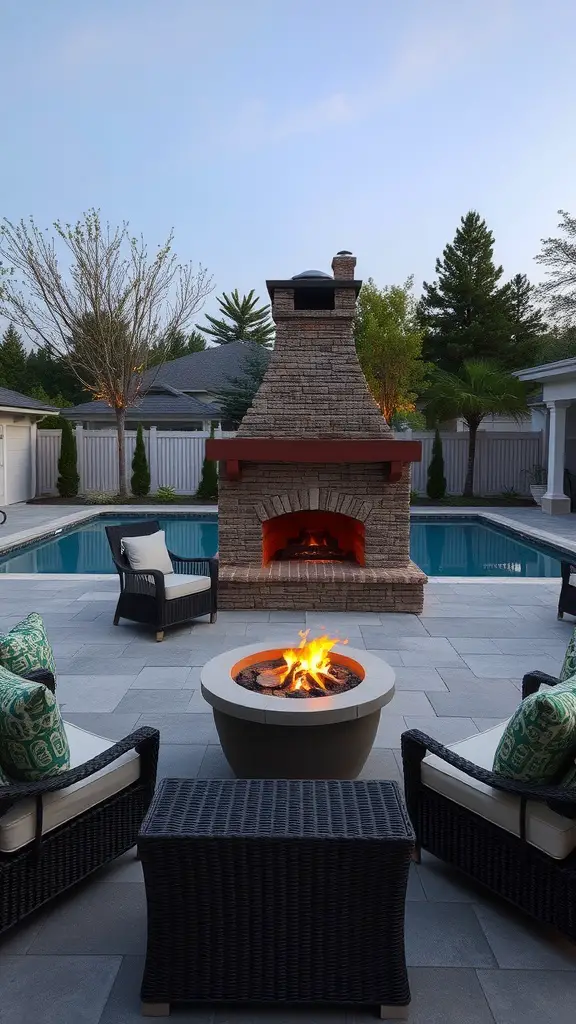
column 306, row 667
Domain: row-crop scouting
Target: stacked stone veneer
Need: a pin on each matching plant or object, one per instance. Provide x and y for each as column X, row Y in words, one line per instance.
column 314, row 388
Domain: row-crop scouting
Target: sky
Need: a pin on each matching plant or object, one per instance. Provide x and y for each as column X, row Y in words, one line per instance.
column 271, row 134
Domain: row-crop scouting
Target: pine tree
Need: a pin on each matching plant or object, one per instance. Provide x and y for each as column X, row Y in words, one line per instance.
column 528, row 328
column 238, row 393
column 12, row 360
column 466, row 312
column 68, row 478
column 242, row 320
column 208, row 487
column 176, row 345
column 140, row 482
column 436, row 485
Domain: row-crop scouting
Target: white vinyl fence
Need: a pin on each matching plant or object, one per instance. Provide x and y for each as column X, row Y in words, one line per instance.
column 175, row 459
column 502, row 461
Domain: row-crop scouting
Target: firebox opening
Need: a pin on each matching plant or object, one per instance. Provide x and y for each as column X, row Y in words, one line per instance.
column 313, row 298
column 314, row 536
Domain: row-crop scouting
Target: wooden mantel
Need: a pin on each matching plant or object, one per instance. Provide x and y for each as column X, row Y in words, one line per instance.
column 233, row 451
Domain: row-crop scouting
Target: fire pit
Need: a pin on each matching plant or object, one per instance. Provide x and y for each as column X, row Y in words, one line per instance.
column 307, row 712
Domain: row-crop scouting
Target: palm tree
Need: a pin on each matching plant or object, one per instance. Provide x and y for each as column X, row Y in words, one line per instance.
column 480, row 388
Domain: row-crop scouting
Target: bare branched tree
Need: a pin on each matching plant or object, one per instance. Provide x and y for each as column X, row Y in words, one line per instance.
column 559, row 256
column 103, row 306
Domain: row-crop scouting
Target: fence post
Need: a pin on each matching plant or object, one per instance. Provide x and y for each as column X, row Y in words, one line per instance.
column 153, row 459
column 79, row 432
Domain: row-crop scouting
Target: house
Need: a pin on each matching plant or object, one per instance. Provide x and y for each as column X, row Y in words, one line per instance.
column 181, row 394
column 555, row 407
column 19, row 416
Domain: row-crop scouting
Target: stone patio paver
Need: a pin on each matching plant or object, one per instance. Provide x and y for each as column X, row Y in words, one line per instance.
column 473, row 960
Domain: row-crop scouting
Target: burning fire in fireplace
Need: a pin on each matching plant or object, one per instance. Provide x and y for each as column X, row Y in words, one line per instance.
column 303, row 671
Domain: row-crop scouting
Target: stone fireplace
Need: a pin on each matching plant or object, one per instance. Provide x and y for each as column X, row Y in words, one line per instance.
column 314, row 490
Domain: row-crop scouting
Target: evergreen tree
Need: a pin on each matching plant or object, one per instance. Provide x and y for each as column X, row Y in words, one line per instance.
column 236, row 397
column 528, row 327
column 436, row 485
column 140, row 482
column 68, row 478
column 242, row 320
column 208, row 487
column 466, row 312
column 558, row 255
column 54, row 376
column 12, row 360
column 176, row 345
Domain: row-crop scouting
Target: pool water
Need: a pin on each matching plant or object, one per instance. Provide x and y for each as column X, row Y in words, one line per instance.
column 454, row 547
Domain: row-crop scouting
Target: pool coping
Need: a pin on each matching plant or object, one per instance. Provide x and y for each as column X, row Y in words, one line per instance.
column 45, row 532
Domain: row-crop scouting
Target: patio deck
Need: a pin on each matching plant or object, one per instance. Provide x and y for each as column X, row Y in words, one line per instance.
column 458, row 666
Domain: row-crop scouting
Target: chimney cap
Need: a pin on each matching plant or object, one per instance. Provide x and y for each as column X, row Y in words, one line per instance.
column 312, row 273
column 344, row 252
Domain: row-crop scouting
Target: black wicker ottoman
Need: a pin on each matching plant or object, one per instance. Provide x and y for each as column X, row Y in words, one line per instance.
column 263, row 891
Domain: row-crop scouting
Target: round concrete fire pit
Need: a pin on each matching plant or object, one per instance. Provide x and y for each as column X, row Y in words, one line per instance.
column 263, row 736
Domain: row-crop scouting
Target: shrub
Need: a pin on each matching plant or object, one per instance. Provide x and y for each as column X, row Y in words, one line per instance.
column 68, row 478
column 436, row 486
column 140, row 482
column 102, row 498
column 166, row 495
column 208, row 486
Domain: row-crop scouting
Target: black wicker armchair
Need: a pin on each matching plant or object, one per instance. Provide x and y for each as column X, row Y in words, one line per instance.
column 143, row 595
column 567, row 598
column 507, row 864
column 59, row 858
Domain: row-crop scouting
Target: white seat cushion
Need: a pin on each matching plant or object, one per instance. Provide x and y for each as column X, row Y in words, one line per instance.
column 179, row 585
column 18, row 825
column 548, row 831
column 148, row 552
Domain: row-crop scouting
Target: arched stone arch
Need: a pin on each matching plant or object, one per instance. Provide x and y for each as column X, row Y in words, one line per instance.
column 312, row 498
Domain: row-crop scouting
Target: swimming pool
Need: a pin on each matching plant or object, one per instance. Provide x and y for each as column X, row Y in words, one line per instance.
column 441, row 547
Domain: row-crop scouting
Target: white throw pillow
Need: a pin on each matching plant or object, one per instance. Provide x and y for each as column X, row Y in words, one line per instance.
column 148, row 552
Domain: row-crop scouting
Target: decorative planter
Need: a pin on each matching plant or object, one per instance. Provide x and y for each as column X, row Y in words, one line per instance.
column 296, row 738
column 538, row 491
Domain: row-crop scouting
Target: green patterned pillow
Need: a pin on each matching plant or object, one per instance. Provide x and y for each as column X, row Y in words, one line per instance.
column 33, row 741
column 26, row 647
column 540, row 737
column 569, row 666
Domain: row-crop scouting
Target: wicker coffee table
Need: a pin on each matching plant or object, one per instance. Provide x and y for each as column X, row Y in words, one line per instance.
column 265, row 890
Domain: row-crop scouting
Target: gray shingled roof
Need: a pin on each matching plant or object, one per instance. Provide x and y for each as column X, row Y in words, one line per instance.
column 167, row 403
column 18, row 401
column 210, row 370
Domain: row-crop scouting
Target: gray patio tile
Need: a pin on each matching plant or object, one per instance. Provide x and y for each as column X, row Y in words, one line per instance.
column 439, row 996
column 391, row 657
column 334, row 619
column 289, row 616
column 279, row 1014
column 180, row 760
column 126, row 868
column 96, row 918
column 19, row 938
column 483, row 724
column 196, row 729
column 92, row 693
column 529, row 997
column 494, row 610
column 410, row 702
column 478, row 645
column 123, row 1005
column 165, row 655
column 55, row 989
column 81, row 666
column 518, row 942
column 445, row 935
column 110, row 726
column 390, row 730
column 489, row 628
column 484, row 703
column 140, row 701
column 91, row 650
column 381, row 764
column 506, row 665
column 197, row 704
column 446, row 730
column 67, row 648
column 442, row 883
column 414, row 659
column 393, row 625
column 158, row 678
column 214, row 765
column 89, row 613
column 244, row 614
column 463, row 680
column 419, row 678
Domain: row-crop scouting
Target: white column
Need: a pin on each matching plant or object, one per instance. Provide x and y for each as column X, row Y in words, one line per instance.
column 153, row 459
column 34, row 457
column 555, row 501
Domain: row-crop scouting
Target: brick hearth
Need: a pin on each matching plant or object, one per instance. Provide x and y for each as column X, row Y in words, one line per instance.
column 314, row 404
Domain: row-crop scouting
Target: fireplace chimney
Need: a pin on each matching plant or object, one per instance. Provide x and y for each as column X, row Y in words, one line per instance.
column 343, row 265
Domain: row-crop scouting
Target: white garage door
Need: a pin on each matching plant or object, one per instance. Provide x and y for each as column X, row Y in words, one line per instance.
column 18, row 455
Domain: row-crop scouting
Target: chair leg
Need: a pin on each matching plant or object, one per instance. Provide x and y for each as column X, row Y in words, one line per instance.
column 213, row 616
column 159, row 636
column 116, row 617
column 560, row 614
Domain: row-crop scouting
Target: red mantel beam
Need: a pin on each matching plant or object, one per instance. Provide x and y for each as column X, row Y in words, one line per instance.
column 235, row 450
